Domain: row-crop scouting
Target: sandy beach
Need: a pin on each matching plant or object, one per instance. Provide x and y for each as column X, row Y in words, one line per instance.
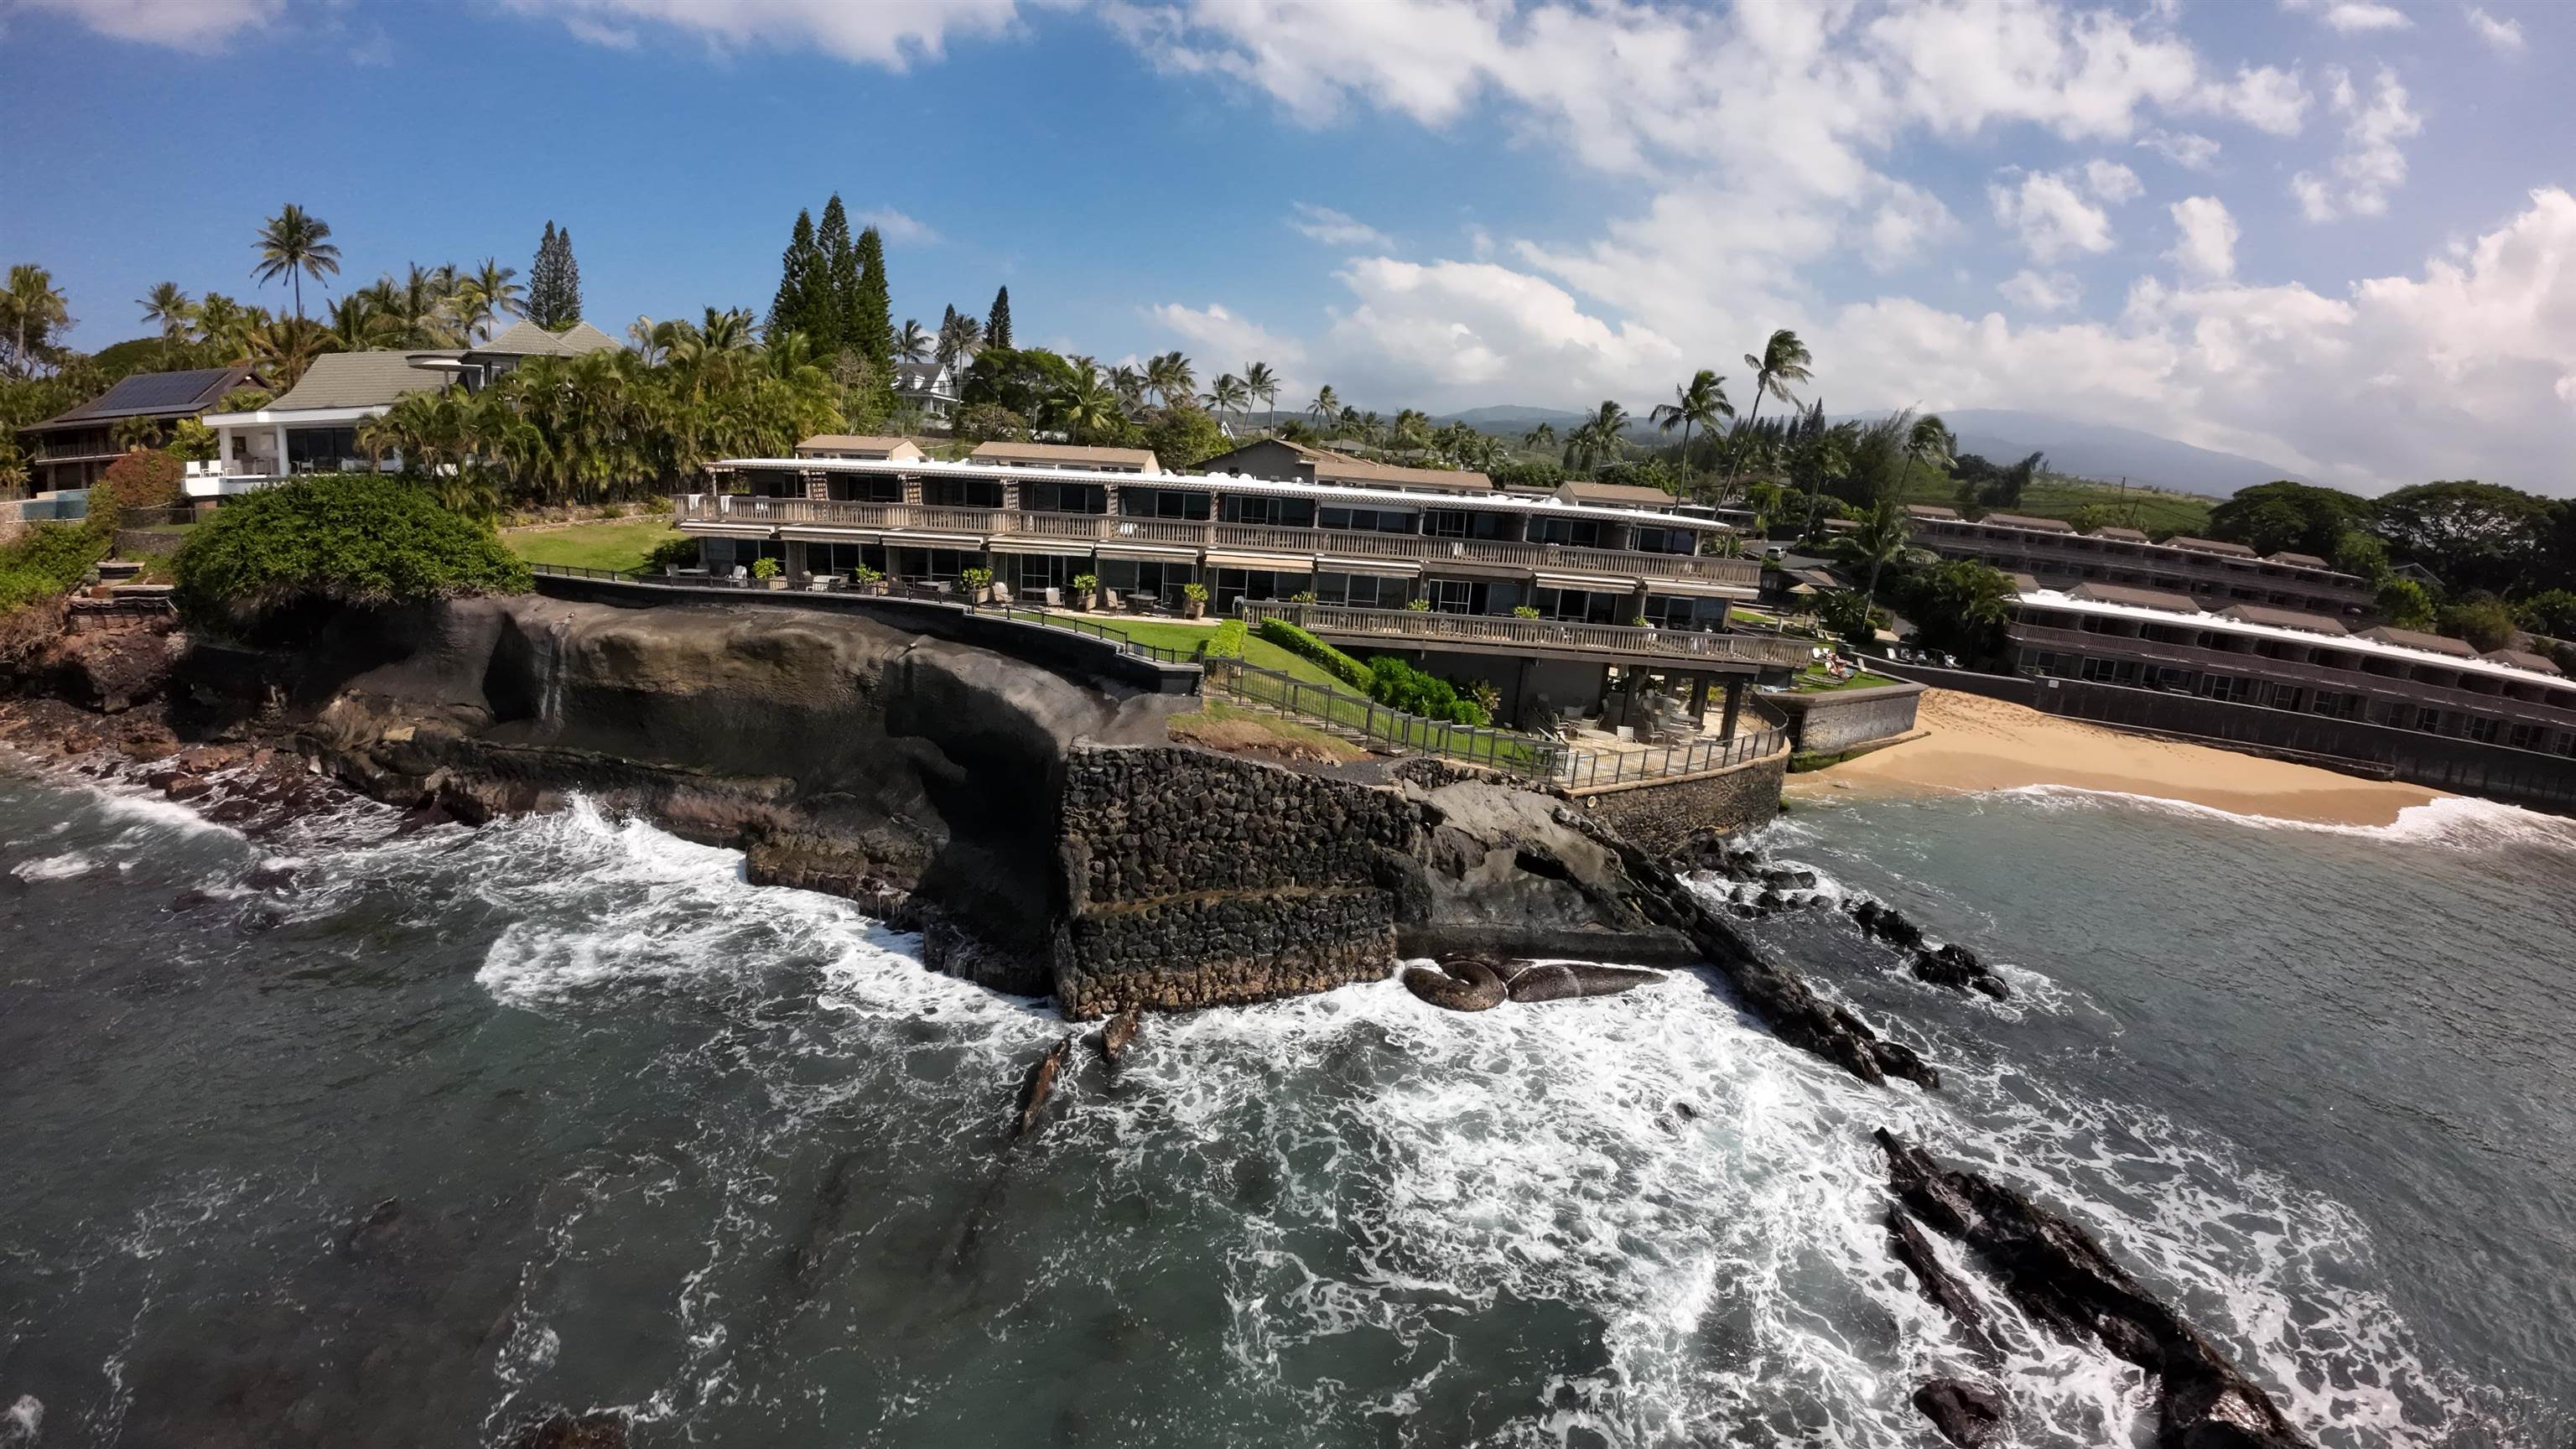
column 1972, row 743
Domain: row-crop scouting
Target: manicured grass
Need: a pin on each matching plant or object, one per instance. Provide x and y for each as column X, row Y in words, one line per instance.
column 1222, row 726
column 1816, row 681
column 2052, row 495
column 618, row 544
column 1186, row 637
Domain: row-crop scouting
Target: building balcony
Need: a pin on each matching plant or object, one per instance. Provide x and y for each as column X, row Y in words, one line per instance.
column 737, row 513
column 1681, row 649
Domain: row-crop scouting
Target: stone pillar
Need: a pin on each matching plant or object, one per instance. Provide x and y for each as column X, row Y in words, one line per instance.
column 795, row 568
column 1699, row 699
column 1734, row 707
column 280, row 432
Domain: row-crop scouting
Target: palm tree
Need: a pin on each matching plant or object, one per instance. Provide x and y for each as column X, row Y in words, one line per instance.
column 1228, row 393
column 35, row 310
column 1930, row 443
column 1261, row 383
column 1784, row 360
column 415, row 309
column 170, row 309
column 1326, row 407
column 911, row 344
column 224, row 326
column 1170, row 377
column 1601, row 433
column 1129, row 384
column 295, row 244
column 1541, row 438
column 1699, row 403
column 1880, row 540
column 356, row 324
column 1412, row 428
column 959, row 335
column 1087, row 409
column 281, row 350
column 645, row 339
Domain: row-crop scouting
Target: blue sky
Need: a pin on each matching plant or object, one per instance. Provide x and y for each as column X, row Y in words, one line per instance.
column 2327, row 233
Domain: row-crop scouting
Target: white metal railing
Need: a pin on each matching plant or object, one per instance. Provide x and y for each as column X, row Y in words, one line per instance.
column 1113, row 527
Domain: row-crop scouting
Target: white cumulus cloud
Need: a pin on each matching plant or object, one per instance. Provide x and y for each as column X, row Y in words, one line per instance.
column 891, row 33
column 2504, row 33
column 2050, row 215
column 2186, row 149
column 2041, row 291
column 1334, row 228
column 182, row 24
column 2372, row 163
column 2205, row 246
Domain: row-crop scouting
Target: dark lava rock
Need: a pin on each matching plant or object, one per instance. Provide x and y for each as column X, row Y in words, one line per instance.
column 1118, row 1035
column 191, row 898
column 1958, row 968
column 381, row 1229
column 1938, row 1284
column 271, row 878
column 1459, row 983
column 563, row 1429
column 1882, row 922
column 186, row 787
column 1968, row 1415
column 2064, row 1279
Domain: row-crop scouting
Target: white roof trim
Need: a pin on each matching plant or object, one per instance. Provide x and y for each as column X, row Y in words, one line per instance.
column 269, row 416
column 1227, row 482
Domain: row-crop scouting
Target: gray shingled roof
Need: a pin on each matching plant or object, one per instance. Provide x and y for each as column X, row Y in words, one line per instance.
column 2024, row 520
column 2135, row 598
column 2210, row 545
column 527, row 339
column 361, row 380
column 151, row 395
column 2417, row 639
column 2524, row 659
column 2284, row 618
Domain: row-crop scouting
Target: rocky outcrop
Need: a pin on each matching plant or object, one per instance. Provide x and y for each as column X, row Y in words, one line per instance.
column 1458, row 983
column 1571, row 980
column 1968, row 1415
column 2066, row 1282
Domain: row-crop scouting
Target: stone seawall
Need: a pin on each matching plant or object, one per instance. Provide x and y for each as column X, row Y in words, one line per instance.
column 1847, row 719
column 1194, row 879
column 1670, row 819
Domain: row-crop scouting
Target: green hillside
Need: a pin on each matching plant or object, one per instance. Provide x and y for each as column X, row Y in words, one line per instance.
column 2054, row 495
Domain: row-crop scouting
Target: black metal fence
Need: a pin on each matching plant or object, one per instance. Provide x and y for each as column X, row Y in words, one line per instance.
column 1359, row 715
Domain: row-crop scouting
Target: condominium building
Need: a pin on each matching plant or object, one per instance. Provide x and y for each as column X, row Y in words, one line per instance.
column 1432, row 572
column 2300, row 663
column 2214, row 573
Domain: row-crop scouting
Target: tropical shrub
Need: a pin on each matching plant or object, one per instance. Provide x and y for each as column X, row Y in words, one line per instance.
column 764, row 569
column 143, row 478
column 1418, row 606
column 338, row 538
column 1198, row 594
column 48, row 560
column 2485, row 622
column 1846, row 615
column 672, row 553
column 2404, row 603
column 976, row 578
column 1524, row 611
column 1086, row 583
column 1315, row 651
column 1398, row 685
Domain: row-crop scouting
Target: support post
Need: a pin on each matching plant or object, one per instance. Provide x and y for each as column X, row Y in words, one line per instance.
column 279, row 432
column 1734, row 707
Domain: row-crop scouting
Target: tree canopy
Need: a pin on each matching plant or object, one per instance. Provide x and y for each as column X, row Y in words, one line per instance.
column 349, row 539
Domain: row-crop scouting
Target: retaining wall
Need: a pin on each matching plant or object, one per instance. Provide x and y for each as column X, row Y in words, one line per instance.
column 1847, row 719
column 1668, row 817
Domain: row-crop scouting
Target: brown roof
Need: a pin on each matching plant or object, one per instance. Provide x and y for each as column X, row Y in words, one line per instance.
column 2284, row 618
column 2524, row 659
column 861, row 443
column 1930, row 510
column 2210, row 545
column 2298, row 560
column 1615, row 495
column 1066, row 455
column 2027, row 583
column 1331, row 467
column 2023, row 520
column 2417, row 639
column 2135, row 598
column 2124, row 535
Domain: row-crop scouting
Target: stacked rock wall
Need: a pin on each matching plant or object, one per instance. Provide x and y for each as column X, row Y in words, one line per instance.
column 1670, row 819
column 1194, row 879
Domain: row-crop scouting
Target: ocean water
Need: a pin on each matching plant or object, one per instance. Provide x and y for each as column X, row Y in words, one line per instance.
column 646, row 1136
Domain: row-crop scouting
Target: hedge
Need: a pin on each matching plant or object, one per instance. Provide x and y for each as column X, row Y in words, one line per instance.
column 1227, row 642
column 1315, row 651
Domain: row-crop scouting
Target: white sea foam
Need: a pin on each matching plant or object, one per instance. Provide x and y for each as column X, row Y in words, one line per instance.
column 154, row 813
column 2463, row 822
column 55, row 867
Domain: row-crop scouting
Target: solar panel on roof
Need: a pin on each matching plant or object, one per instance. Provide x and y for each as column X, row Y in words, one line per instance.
column 157, row 392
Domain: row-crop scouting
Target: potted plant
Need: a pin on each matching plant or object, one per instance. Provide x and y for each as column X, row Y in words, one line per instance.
column 1194, row 599
column 764, row 572
column 1086, row 587
column 1418, row 605
column 868, row 580
column 1524, row 611
column 1302, row 596
column 978, row 584
column 1641, row 622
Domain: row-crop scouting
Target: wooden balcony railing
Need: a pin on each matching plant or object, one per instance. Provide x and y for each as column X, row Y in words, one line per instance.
column 1003, row 523
column 1431, row 627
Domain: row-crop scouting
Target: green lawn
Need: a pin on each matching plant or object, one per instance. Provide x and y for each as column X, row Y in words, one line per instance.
column 1186, row 637
column 2053, row 495
column 619, row 544
column 1815, row 681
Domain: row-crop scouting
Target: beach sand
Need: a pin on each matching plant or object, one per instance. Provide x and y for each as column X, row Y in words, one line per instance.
column 1973, row 743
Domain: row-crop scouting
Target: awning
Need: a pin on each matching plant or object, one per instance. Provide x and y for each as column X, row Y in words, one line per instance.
column 1148, row 553
column 916, row 538
column 1393, row 568
column 1468, row 568
column 728, row 530
column 818, row 534
column 1067, row 547
column 1699, row 588
column 1589, row 583
column 1269, row 563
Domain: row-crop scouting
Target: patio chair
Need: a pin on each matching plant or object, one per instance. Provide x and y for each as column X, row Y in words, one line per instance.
column 1109, row 600
column 1052, row 598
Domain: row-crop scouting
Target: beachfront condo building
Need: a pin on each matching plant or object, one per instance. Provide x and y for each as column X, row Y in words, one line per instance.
column 2051, row 554
column 1541, row 595
column 2294, row 667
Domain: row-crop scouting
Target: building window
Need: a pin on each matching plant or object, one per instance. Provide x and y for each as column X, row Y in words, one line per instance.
column 1270, row 512
column 962, row 492
column 1365, row 520
column 1258, row 585
column 1571, row 532
column 1151, row 578
column 1666, row 611
column 1048, row 497
column 1663, row 540
column 1163, row 503
column 2429, row 720
column 1451, row 596
column 2483, row 728
column 1362, row 591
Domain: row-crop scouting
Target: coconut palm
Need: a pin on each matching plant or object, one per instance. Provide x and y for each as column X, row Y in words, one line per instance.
column 1262, row 384
column 169, row 309
column 1698, row 403
column 281, row 349
column 1600, row 435
column 295, row 244
column 34, row 310
column 415, row 309
column 1411, row 428
column 911, row 344
column 1880, row 540
column 355, row 323
column 1929, row 442
column 1129, row 383
column 1170, row 377
column 1540, row 438
column 1087, row 409
column 959, row 335
column 1326, row 407
column 1228, row 394
column 1784, row 360
column 643, row 338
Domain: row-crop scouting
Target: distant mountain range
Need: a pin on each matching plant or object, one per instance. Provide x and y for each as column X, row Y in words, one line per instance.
column 2000, row 435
